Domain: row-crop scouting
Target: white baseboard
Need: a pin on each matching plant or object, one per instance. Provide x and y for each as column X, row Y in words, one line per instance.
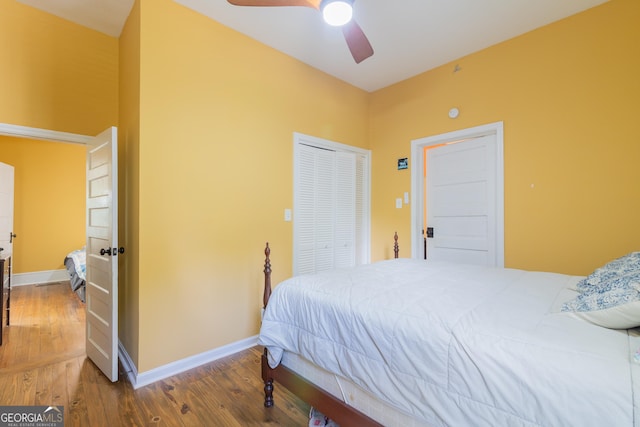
column 33, row 278
column 138, row 380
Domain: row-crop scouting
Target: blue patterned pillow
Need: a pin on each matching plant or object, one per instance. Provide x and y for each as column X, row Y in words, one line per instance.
column 602, row 300
column 614, row 304
column 618, row 267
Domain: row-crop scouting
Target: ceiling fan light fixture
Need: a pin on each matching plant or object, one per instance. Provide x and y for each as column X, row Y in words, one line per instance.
column 337, row 12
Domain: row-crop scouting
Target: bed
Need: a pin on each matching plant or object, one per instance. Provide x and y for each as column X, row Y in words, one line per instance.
column 76, row 265
column 409, row 342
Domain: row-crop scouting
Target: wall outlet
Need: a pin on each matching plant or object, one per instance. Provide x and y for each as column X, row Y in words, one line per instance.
column 287, row 215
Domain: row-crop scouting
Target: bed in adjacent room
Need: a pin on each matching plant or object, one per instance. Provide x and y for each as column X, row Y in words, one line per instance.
column 76, row 264
column 411, row 342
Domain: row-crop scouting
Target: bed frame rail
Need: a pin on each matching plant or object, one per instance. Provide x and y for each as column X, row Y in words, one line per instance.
column 326, row 403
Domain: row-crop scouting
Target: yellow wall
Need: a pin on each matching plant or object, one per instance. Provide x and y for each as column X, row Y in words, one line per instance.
column 217, row 116
column 568, row 95
column 60, row 76
column 49, row 201
column 54, row 74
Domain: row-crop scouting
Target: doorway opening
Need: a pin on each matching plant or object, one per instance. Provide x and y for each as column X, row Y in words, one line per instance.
column 50, row 220
column 101, row 228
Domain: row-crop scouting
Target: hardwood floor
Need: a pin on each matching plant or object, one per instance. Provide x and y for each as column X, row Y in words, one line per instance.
column 43, row 362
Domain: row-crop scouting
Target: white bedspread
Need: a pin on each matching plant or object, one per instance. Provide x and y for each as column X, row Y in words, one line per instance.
column 459, row 345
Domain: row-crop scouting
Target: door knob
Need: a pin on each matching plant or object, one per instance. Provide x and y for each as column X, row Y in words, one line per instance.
column 112, row 251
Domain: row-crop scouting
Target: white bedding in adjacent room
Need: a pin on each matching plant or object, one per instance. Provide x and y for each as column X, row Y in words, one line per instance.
column 457, row 344
column 79, row 258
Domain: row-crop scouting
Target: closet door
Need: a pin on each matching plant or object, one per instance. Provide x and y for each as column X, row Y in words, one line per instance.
column 325, row 210
column 320, row 230
column 361, row 200
column 345, row 210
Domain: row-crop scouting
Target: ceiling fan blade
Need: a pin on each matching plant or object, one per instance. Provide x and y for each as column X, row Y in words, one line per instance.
column 308, row 3
column 356, row 40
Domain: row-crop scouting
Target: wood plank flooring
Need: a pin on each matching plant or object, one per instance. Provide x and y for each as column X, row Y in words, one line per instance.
column 43, row 362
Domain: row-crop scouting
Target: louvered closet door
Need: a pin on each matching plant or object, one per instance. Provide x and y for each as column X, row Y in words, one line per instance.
column 345, row 210
column 325, row 214
column 305, row 211
column 322, row 227
column 314, row 210
column 361, row 208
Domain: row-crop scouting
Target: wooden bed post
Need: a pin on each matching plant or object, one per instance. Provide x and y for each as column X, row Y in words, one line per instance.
column 267, row 376
column 395, row 245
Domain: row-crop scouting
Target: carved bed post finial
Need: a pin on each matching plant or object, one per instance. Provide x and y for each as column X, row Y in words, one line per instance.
column 267, row 277
column 396, row 249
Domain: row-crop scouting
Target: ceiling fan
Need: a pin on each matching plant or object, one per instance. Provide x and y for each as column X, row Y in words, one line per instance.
column 356, row 40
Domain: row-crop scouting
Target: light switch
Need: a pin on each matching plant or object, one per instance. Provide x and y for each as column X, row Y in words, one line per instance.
column 287, row 215
column 406, row 197
column 399, row 203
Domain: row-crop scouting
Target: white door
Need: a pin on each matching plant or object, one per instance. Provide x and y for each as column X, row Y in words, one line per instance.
column 457, row 184
column 102, row 244
column 461, row 202
column 314, row 206
column 345, row 210
column 6, row 208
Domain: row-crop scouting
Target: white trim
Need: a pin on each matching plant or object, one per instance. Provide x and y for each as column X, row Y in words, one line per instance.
column 37, row 277
column 138, row 380
column 48, row 135
column 128, row 365
column 417, row 183
column 302, row 139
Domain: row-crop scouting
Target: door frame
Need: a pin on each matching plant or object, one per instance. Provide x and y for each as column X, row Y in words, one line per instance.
column 418, row 181
column 45, row 134
column 42, row 134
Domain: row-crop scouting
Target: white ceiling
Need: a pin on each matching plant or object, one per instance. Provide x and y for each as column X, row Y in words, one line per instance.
column 408, row 36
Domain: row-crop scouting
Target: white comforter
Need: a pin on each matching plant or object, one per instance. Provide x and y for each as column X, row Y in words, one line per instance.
column 458, row 345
